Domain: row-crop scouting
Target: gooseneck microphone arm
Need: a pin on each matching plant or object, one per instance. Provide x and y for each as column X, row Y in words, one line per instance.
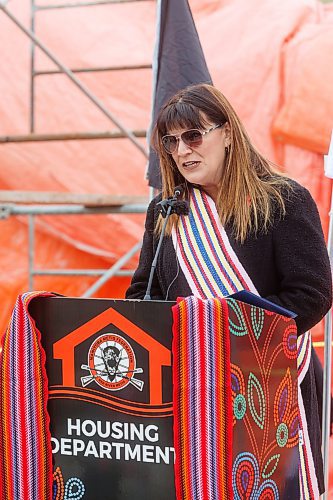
column 167, row 207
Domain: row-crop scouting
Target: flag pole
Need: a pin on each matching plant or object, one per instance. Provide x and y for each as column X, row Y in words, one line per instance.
column 326, row 419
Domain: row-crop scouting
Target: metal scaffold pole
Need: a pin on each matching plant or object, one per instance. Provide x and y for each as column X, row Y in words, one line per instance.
column 75, row 80
column 326, row 423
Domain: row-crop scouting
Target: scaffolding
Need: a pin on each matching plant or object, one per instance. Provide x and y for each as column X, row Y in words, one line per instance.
column 33, row 204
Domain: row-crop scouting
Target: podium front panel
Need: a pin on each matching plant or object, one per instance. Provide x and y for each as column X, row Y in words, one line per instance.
column 110, row 398
column 110, row 395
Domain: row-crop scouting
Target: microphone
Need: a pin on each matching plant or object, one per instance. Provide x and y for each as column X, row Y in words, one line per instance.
column 179, row 207
column 167, row 207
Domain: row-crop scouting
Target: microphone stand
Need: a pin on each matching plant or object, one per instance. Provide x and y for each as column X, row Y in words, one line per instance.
column 166, row 212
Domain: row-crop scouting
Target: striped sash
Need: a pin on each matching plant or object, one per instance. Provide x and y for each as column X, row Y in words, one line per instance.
column 308, row 480
column 206, row 257
column 212, row 269
column 202, row 400
column 25, row 440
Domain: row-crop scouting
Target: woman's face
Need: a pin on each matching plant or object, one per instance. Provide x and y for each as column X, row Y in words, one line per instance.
column 203, row 165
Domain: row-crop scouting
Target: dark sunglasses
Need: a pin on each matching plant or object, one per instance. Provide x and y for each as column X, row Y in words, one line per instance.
column 192, row 138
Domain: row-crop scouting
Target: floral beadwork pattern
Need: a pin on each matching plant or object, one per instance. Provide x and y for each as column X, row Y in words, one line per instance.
column 264, row 398
column 73, row 489
column 246, row 479
column 238, row 392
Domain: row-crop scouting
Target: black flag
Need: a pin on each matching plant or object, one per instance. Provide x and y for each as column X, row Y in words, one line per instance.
column 179, row 61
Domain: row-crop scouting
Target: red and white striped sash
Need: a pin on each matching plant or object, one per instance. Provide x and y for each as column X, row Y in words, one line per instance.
column 206, row 257
column 212, row 269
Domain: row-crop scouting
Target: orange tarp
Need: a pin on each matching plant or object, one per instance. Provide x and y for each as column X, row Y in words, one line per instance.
column 272, row 60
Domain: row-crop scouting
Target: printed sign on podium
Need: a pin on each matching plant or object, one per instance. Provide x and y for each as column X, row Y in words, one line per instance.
column 110, row 395
column 109, row 367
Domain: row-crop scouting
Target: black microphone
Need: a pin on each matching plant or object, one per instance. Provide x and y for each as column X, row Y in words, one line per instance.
column 167, row 207
column 179, row 207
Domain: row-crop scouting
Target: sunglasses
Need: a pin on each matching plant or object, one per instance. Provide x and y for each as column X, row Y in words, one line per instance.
column 192, row 138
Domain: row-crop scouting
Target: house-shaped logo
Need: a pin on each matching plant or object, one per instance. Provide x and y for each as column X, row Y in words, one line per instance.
column 158, row 357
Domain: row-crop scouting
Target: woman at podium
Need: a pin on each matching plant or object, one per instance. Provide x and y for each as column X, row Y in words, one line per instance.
column 247, row 227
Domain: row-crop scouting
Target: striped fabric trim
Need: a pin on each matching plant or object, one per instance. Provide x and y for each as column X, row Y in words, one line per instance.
column 303, row 355
column 202, row 400
column 206, row 257
column 212, row 269
column 308, row 482
column 309, row 488
column 25, row 440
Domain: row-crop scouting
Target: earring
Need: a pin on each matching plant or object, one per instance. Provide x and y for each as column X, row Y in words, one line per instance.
column 227, row 149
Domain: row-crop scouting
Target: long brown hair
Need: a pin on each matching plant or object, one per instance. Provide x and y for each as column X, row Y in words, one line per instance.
column 250, row 188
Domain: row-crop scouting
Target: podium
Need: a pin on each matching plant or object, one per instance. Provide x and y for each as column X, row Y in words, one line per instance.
column 109, row 367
